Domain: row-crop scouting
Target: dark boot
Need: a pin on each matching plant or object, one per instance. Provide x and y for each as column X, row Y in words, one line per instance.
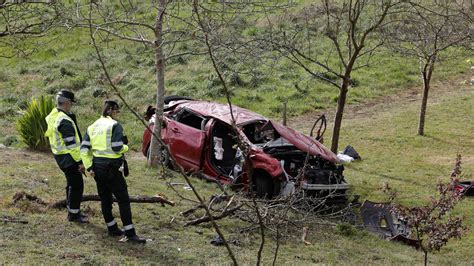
column 136, row 239
column 77, row 218
column 131, row 236
column 115, row 231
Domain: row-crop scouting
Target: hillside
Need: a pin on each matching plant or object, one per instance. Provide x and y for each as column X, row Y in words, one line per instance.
column 72, row 65
column 380, row 121
column 383, row 136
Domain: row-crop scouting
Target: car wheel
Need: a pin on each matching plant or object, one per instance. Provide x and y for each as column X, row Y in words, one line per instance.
column 165, row 157
column 264, row 186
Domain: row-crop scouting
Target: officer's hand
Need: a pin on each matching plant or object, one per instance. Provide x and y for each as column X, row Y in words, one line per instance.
column 82, row 169
column 92, row 173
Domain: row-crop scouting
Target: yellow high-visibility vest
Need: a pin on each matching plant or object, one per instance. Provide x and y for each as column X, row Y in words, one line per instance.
column 56, row 140
column 100, row 134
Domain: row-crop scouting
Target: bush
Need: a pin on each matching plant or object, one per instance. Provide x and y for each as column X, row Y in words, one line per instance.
column 78, row 83
column 346, row 230
column 4, row 77
column 213, row 81
column 10, row 141
column 23, row 70
column 32, row 125
column 235, row 80
column 66, row 72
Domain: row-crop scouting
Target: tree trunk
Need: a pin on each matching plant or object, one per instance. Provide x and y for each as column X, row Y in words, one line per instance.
column 426, row 257
column 426, row 75
column 154, row 157
column 341, row 102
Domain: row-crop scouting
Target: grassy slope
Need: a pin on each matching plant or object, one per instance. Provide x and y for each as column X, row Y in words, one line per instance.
column 71, row 64
column 391, row 153
column 385, row 139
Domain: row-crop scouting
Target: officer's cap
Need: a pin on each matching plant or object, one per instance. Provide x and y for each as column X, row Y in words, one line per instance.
column 67, row 94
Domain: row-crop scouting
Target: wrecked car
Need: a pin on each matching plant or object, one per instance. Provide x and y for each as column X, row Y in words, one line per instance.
column 200, row 138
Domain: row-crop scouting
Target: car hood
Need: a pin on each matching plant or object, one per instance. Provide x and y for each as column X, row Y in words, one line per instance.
column 304, row 143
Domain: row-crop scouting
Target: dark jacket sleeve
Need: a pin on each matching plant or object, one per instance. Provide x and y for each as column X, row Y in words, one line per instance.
column 118, row 137
column 68, row 134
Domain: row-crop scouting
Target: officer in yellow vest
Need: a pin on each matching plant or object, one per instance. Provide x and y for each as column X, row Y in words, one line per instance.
column 65, row 140
column 102, row 152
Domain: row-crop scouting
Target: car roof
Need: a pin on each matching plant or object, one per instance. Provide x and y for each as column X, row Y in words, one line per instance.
column 221, row 111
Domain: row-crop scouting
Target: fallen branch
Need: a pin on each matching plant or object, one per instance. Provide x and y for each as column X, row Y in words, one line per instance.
column 205, row 219
column 13, row 220
column 193, row 209
column 304, row 235
column 212, row 200
column 138, row 199
column 24, row 195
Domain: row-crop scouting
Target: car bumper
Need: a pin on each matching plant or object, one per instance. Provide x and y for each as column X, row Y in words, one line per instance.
column 321, row 187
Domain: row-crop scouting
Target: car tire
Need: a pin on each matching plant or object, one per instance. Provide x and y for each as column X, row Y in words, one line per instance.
column 170, row 98
column 264, row 186
column 165, row 157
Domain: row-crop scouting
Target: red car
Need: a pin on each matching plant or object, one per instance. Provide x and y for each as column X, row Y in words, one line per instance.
column 200, row 137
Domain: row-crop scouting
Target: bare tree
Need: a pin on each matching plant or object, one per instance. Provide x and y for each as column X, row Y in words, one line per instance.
column 426, row 32
column 161, row 35
column 217, row 31
column 330, row 41
column 25, row 20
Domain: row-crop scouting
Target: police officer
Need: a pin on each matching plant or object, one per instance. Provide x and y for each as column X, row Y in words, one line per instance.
column 65, row 138
column 102, row 152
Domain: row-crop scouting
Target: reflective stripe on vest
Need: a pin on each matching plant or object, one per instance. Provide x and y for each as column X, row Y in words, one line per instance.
column 100, row 134
column 56, row 141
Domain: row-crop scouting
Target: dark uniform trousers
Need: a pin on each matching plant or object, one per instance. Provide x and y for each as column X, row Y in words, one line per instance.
column 110, row 181
column 74, row 187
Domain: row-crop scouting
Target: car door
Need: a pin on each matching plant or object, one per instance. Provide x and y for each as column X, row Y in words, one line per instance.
column 186, row 139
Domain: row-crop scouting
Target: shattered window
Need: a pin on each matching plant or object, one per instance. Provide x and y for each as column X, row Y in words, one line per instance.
column 190, row 119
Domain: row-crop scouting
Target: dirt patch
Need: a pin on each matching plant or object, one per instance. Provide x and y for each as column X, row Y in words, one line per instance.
column 439, row 89
column 8, row 156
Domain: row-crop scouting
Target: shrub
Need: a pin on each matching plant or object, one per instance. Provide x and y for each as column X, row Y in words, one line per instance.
column 32, row 124
column 66, row 72
column 4, row 77
column 213, row 81
column 10, row 141
column 98, row 92
column 78, row 83
column 346, row 230
column 23, row 71
column 235, row 80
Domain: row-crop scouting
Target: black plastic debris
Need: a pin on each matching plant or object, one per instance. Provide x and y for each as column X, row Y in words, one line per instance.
column 217, row 241
column 379, row 220
column 465, row 187
column 350, row 151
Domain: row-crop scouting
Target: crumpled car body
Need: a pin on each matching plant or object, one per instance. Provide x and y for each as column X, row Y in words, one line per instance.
column 201, row 138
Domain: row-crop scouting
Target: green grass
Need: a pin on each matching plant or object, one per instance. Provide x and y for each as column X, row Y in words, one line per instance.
column 73, row 65
column 385, row 139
